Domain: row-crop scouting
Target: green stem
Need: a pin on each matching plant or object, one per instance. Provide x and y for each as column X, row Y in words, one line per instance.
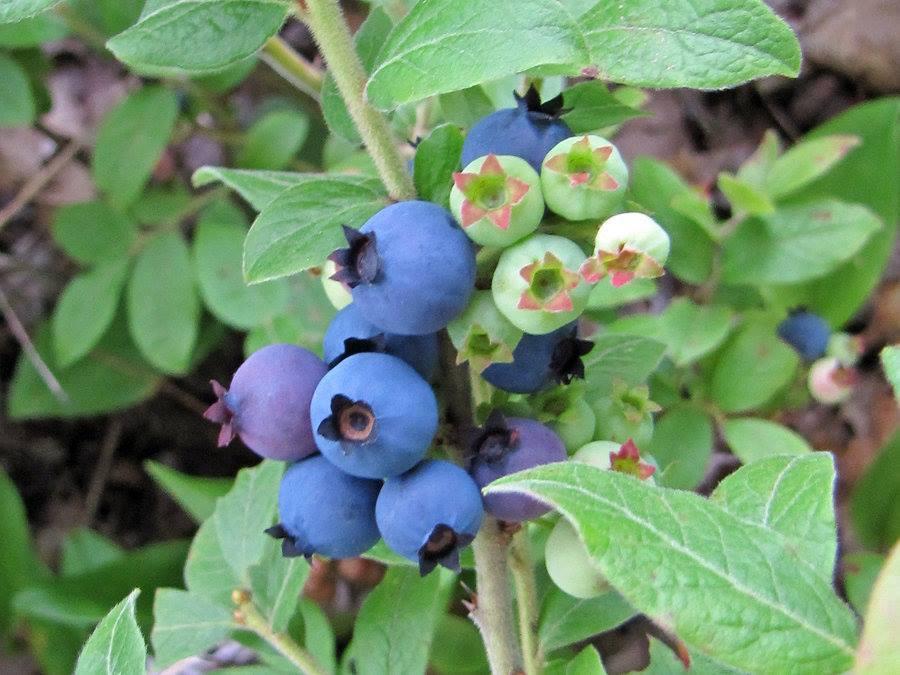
column 493, row 614
column 248, row 615
column 326, row 22
column 279, row 55
column 526, row 595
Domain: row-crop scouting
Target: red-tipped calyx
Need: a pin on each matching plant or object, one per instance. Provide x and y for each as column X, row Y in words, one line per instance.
column 622, row 266
column 549, row 285
column 585, row 166
column 491, row 193
column 627, row 459
column 220, row 413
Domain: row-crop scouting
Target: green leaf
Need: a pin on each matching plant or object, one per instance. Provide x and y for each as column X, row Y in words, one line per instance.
column 442, row 46
column 755, row 170
column 654, row 186
column 218, row 251
column 93, row 232
column 797, row 243
column 369, row 40
column 206, row 571
column 692, row 331
column 163, row 309
column 586, row 663
column 670, row 551
column 16, row 10
column 85, row 550
column 709, row 45
column 792, row 496
column 743, row 197
column 318, row 635
column 437, row 157
column 18, row 562
column 85, row 310
column 753, row 439
column 565, row 620
column 878, row 653
column 185, row 624
column 130, row 140
column 805, row 162
column 113, row 376
column 860, row 572
column 108, row 16
column 198, row 36
column 302, row 225
column 629, row 358
column 457, row 648
column 663, row 661
column 195, row 494
column 758, row 350
column 890, row 361
column 258, row 188
column 604, row 296
column 875, row 504
column 466, row 106
column 397, row 622
column 17, row 106
column 159, row 206
column 243, row 514
column 116, row 645
column 682, row 445
column 273, row 140
column 276, row 583
column 591, row 106
column 33, row 31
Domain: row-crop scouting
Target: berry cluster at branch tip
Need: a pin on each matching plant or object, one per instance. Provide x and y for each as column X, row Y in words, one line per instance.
column 363, row 428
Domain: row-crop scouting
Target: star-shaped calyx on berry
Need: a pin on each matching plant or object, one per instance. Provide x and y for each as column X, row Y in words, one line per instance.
column 359, row 262
column 350, row 422
column 565, row 362
column 628, row 460
column 628, row 246
column 622, row 265
column 352, row 345
column 291, row 547
column 442, row 548
column 585, row 166
column 493, row 441
column 220, row 413
column 491, row 193
column 549, row 285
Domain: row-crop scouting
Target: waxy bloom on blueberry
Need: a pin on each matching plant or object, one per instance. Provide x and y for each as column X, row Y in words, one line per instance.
column 806, row 332
column 537, row 286
column 528, row 131
column 508, row 445
column 267, row 404
column 584, row 178
column 429, row 513
column 349, row 333
column 410, row 267
column 497, row 200
column 326, row 511
column 540, row 361
column 373, row 416
column 628, row 246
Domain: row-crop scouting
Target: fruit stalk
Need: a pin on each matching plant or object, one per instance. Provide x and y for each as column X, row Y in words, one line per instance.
column 326, row 22
column 526, row 593
column 493, row 613
column 248, row 615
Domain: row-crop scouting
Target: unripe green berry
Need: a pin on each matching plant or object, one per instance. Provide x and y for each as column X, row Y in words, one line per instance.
column 584, row 177
column 497, row 200
column 338, row 294
column 569, row 564
column 628, row 246
column 831, row 383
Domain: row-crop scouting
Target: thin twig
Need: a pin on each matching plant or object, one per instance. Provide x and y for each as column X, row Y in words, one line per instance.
column 31, row 352
column 111, row 440
column 39, row 180
column 522, row 567
column 284, row 60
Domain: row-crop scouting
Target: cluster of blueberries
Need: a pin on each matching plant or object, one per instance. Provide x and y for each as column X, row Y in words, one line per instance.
column 357, row 425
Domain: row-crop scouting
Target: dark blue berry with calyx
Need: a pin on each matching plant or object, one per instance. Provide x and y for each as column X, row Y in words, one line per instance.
column 374, row 416
column 540, row 361
column 267, row 403
column 429, row 513
column 410, row 268
column 323, row 510
column 806, row 332
column 530, row 130
column 350, row 333
column 508, row 445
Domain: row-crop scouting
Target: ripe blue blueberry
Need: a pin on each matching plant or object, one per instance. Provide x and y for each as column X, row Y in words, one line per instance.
column 326, row 511
column 374, row 416
column 806, row 332
column 528, row 131
column 428, row 514
column 410, row 267
column 540, row 361
column 508, row 445
column 349, row 333
column 267, row 404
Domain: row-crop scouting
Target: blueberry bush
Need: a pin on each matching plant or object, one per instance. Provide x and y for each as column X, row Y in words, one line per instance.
column 481, row 348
